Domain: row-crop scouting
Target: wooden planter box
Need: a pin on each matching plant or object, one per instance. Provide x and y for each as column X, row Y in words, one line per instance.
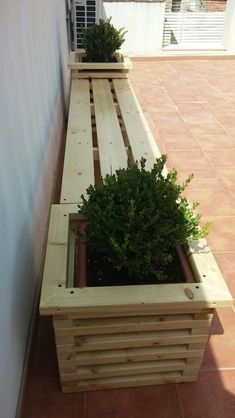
column 80, row 69
column 124, row 336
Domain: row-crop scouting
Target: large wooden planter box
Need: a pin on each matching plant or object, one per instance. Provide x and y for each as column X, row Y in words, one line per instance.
column 80, row 69
column 129, row 335
column 123, row 336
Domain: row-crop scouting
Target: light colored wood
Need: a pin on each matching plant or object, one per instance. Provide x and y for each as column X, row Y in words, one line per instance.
column 55, row 269
column 71, row 257
column 120, row 336
column 145, row 310
column 205, row 267
column 133, row 298
column 129, row 324
column 78, row 171
column 111, row 146
column 130, row 381
column 127, row 340
column 115, row 370
column 141, row 139
column 75, row 63
column 128, row 355
column 103, row 74
column 54, row 277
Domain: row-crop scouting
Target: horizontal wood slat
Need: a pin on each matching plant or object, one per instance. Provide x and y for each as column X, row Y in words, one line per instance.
column 131, row 324
column 138, row 339
column 127, row 381
column 127, row 369
column 127, row 355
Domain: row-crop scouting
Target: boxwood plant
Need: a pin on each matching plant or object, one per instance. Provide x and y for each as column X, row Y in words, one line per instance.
column 136, row 218
column 101, row 40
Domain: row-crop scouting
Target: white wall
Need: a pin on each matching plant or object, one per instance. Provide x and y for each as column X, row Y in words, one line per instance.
column 144, row 22
column 33, row 93
column 229, row 34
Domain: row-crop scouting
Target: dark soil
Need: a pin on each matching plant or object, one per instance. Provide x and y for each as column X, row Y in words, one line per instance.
column 112, row 59
column 101, row 274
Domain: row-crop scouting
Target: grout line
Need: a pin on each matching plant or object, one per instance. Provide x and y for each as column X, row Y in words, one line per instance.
column 85, row 405
column 214, row 369
column 180, row 401
column 224, row 252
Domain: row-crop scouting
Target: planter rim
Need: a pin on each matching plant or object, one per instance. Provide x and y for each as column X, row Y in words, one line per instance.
column 75, row 62
column 210, row 292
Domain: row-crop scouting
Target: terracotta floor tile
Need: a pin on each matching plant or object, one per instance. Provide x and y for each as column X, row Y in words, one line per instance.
column 179, row 128
column 44, row 399
column 151, row 402
column 226, row 263
column 229, row 128
column 207, row 128
column 154, row 104
column 204, row 178
column 179, row 142
column 188, row 160
column 227, row 175
column 194, row 119
column 220, row 352
column 222, row 233
column 211, row 203
column 164, row 118
column 194, row 108
column 221, row 141
column 225, row 116
column 219, row 103
column 212, row 396
column 221, row 158
column 43, row 355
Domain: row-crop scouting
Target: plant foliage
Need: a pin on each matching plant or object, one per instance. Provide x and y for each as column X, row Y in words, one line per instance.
column 101, row 40
column 138, row 217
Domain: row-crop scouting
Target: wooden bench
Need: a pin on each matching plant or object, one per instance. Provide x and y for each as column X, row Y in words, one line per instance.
column 127, row 336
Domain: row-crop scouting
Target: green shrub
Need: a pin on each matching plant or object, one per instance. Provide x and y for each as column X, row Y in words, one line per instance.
column 136, row 218
column 101, row 40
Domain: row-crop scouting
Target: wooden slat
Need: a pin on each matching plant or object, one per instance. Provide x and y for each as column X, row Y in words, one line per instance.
column 78, row 171
column 144, row 310
column 140, row 137
column 124, row 369
column 103, row 74
column 75, row 62
column 131, row 324
column 54, row 277
column 127, row 381
column 111, row 145
column 206, row 269
column 163, row 298
column 71, row 257
column 128, row 355
column 128, row 340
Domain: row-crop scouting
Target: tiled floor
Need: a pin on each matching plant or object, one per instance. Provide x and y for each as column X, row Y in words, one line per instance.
column 190, row 106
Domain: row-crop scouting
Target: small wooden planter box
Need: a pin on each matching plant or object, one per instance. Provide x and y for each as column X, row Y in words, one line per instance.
column 122, row 336
column 80, row 69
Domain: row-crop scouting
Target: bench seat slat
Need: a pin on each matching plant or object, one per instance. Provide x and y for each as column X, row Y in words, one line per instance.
column 78, row 171
column 140, row 137
column 111, row 145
